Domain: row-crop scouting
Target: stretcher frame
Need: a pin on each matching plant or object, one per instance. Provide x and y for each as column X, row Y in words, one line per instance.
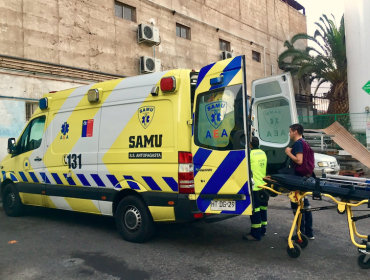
column 344, row 206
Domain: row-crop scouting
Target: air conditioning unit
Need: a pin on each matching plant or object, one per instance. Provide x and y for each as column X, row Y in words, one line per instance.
column 226, row 55
column 149, row 65
column 148, row 34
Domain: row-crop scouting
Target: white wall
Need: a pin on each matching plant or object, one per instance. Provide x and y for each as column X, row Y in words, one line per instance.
column 12, row 110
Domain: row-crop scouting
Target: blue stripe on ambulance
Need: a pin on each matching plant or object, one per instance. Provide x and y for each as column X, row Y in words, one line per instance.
column 171, row 182
column 131, row 184
column 23, row 176
column 241, row 205
column 12, row 176
column 69, row 180
column 151, row 183
column 3, row 172
column 97, row 180
column 114, row 181
column 229, row 72
column 57, row 179
column 203, row 72
column 33, row 176
column 200, row 158
column 83, row 180
column 44, row 177
column 220, row 177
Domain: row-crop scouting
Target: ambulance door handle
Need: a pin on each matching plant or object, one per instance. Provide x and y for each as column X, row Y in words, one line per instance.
column 38, row 159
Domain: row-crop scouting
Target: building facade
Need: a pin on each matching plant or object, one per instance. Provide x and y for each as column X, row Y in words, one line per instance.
column 48, row 45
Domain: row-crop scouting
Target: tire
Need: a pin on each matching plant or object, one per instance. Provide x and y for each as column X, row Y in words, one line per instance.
column 12, row 203
column 133, row 219
column 294, row 253
column 361, row 263
column 302, row 243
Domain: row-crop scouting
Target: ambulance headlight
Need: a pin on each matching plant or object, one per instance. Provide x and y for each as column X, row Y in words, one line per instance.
column 93, row 95
column 43, row 103
column 323, row 164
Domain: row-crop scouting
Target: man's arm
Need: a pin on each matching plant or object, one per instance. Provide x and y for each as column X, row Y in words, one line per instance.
column 298, row 159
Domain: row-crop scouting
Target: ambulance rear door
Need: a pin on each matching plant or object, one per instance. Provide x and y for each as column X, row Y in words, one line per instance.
column 220, row 156
column 274, row 110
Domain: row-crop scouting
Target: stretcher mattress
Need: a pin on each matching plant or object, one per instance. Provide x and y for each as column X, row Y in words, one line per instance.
column 293, row 183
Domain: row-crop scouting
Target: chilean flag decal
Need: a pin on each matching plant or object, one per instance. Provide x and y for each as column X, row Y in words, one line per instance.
column 87, row 128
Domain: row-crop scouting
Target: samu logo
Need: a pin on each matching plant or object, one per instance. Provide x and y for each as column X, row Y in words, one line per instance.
column 273, row 117
column 64, row 130
column 215, row 112
column 146, row 115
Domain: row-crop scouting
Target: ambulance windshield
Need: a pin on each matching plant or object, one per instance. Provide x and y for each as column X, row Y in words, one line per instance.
column 219, row 118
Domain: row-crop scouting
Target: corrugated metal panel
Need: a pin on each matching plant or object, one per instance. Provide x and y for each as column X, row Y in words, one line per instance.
column 349, row 143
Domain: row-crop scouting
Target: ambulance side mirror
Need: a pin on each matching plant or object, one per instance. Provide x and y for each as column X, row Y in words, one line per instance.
column 11, row 145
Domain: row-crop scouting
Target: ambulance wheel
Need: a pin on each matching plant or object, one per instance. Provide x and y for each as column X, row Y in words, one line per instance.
column 12, row 203
column 302, row 243
column 133, row 219
column 294, row 253
column 263, row 196
column 361, row 263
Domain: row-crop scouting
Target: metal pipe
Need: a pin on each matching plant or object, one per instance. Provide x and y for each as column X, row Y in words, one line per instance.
column 60, row 65
column 22, row 98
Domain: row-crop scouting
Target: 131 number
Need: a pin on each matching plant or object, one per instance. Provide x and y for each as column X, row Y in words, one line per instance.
column 74, row 161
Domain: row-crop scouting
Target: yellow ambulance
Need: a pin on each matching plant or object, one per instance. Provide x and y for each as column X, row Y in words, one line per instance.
column 164, row 147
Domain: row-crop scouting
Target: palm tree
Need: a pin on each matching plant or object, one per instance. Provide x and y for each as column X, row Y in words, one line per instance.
column 326, row 62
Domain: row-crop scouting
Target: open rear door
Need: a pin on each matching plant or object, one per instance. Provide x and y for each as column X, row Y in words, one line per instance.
column 220, row 156
column 274, row 110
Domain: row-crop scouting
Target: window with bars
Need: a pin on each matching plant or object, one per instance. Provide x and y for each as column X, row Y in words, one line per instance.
column 256, row 56
column 224, row 45
column 182, row 31
column 124, row 11
column 31, row 107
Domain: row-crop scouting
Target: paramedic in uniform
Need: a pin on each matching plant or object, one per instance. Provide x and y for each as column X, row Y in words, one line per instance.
column 295, row 153
column 258, row 164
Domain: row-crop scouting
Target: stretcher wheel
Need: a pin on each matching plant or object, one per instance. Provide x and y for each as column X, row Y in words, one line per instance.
column 361, row 263
column 302, row 243
column 294, row 253
column 263, row 196
column 342, row 213
column 272, row 194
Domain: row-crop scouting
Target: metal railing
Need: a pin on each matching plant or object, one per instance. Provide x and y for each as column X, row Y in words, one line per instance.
column 355, row 123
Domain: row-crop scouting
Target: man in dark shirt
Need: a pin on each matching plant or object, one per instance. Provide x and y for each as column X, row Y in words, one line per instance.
column 295, row 153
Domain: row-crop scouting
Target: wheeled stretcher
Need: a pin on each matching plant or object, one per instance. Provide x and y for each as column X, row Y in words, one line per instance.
column 346, row 193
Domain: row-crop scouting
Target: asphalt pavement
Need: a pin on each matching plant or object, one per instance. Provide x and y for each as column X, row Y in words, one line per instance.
column 54, row 244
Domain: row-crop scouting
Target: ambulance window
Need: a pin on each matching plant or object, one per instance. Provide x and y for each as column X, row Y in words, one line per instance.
column 268, row 89
column 218, row 118
column 32, row 136
column 274, row 120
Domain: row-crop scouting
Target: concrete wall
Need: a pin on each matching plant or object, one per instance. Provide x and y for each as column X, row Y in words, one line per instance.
column 13, row 110
column 87, row 34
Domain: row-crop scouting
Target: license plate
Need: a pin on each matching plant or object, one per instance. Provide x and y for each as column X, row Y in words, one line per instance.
column 219, row 205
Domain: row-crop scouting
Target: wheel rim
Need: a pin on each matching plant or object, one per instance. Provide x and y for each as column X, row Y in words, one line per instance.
column 132, row 218
column 10, row 200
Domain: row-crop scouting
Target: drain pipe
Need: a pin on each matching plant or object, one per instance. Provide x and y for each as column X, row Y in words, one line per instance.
column 22, row 98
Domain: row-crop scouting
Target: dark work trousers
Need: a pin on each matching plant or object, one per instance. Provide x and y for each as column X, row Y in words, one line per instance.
column 263, row 207
column 258, row 218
